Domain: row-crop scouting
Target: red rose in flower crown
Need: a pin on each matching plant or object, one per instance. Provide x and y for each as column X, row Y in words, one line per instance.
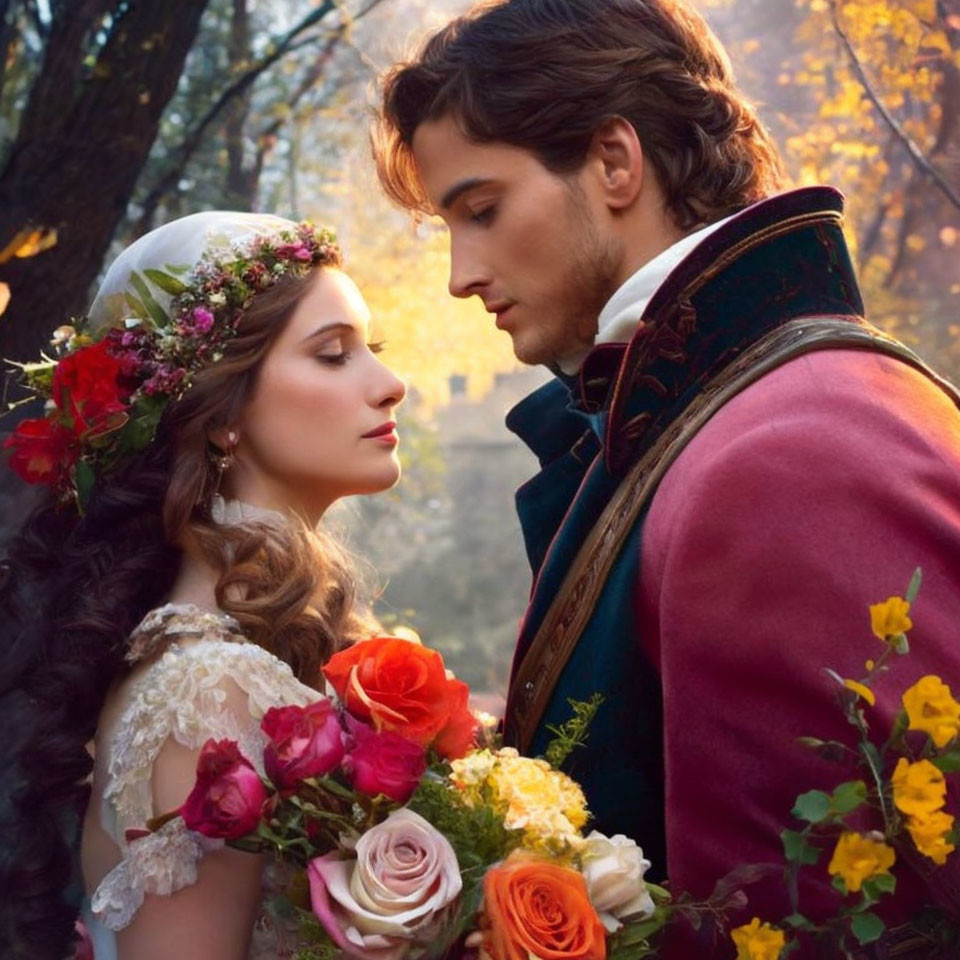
column 401, row 686
column 43, row 451
column 303, row 742
column 87, row 390
column 228, row 796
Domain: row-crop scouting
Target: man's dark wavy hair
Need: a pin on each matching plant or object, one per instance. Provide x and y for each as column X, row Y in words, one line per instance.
column 544, row 74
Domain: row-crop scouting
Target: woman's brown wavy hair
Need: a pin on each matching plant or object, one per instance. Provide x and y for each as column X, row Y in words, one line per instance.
column 545, row 74
column 289, row 586
column 77, row 586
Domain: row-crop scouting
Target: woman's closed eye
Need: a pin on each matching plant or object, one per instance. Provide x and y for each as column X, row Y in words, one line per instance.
column 339, row 358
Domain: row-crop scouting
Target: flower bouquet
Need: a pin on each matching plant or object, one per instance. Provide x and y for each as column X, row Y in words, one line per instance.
column 417, row 836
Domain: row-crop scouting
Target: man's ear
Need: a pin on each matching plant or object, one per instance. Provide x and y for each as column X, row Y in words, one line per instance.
column 618, row 162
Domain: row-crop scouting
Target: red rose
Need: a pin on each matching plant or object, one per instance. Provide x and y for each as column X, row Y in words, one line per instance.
column 86, row 387
column 304, row 742
column 43, row 451
column 402, row 686
column 228, row 796
column 383, row 762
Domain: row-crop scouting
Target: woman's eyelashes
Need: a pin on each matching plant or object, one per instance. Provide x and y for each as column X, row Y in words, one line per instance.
column 338, row 359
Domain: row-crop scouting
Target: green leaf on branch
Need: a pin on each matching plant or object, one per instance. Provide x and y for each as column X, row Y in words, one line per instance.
column 901, row 644
column 812, row 806
column 948, row 762
column 877, row 886
column 840, row 885
column 796, row 849
column 914, row 586
column 847, row 797
column 799, row 922
column 572, row 733
column 165, row 282
column 867, row 927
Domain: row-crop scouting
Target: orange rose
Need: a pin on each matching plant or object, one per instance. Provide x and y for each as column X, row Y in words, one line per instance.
column 539, row 908
column 402, row 686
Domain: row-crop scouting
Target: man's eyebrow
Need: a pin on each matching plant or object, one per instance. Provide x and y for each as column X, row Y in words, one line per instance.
column 326, row 329
column 448, row 199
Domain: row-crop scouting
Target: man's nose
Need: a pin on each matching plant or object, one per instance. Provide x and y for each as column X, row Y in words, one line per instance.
column 468, row 274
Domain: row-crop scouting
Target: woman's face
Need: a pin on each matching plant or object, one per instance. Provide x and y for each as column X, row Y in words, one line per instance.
column 320, row 423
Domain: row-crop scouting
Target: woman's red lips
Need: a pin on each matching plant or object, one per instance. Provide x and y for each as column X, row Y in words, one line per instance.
column 382, row 431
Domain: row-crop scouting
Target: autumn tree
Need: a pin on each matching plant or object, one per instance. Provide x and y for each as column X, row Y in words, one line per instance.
column 85, row 117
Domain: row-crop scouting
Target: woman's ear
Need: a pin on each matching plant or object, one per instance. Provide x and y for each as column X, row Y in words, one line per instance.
column 225, row 439
column 617, row 157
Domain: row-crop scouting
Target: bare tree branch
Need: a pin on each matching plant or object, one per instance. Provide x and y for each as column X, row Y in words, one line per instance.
column 916, row 154
column 194, row 138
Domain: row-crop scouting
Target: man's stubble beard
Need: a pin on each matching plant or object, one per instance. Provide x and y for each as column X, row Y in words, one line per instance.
column 591, row 281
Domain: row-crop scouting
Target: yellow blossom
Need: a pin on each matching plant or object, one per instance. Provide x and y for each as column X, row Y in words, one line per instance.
column 758, row 941
column 918, row 788
column 862, row 690
column 857, row 858
column 932, row 709
column 890, row 619
column 546, row 804
column 929, row 832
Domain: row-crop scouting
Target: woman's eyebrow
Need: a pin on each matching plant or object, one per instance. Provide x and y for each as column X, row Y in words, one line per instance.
column 327, row 328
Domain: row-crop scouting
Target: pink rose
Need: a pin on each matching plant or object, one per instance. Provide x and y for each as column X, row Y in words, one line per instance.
column 383, row 762
column 304, row 742
column 202, row 319
column 393, row 895
column 228, row 796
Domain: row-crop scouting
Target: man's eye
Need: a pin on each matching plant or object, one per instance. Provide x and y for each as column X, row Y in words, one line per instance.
column 483, row 216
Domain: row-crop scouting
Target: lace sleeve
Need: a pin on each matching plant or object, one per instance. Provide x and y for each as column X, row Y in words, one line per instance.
column 214, row 687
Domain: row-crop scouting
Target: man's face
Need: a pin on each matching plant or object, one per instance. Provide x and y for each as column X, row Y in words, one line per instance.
column 529, row 243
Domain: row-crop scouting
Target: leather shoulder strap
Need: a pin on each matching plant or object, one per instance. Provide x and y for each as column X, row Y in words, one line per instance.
column 536, row 677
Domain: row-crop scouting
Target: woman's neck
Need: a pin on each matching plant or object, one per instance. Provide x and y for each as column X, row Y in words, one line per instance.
column 196, row 583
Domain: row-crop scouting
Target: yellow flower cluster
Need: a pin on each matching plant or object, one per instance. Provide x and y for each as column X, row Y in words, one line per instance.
column 890, row 619
column 758, row 941
column 858, row 857
column 919, row 792
column 546, row 804
column 931, row 709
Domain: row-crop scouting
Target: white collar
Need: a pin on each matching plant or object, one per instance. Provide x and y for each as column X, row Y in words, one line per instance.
column 621, row 315
column 230, row 513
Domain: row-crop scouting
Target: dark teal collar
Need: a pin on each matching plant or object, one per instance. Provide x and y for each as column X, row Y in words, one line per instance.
column 780, row 259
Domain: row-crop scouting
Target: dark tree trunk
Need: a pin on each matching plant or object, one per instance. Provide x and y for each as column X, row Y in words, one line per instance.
column 83, row 140
column 239, row 189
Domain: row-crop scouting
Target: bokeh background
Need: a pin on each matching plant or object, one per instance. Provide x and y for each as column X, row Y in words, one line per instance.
column 117, row 115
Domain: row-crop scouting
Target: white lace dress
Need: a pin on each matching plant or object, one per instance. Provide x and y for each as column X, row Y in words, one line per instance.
column 201, row 680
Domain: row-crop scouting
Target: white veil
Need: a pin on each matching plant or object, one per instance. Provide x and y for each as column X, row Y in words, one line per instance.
column 180, row 243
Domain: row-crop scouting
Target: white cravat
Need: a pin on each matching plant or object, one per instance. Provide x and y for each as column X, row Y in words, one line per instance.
column 620, row 316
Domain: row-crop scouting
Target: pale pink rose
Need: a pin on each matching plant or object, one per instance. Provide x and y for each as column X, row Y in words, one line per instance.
column 613, row 868
column 392, row 896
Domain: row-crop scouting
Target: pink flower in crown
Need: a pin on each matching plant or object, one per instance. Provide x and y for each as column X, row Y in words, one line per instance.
column 166, row 379
column 294, row 251
column 202, row 320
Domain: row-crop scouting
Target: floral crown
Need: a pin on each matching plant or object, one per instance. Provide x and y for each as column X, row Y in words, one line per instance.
column 106, row 389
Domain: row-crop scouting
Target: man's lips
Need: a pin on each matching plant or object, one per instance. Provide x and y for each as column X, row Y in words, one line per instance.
column 501, row 310
column 387, row 429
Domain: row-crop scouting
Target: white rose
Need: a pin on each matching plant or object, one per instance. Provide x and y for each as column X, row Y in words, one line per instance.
column 613, row 868
column 378, row 905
